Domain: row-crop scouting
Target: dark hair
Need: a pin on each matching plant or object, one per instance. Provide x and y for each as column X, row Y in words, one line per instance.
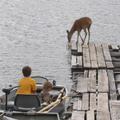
column 26, row 71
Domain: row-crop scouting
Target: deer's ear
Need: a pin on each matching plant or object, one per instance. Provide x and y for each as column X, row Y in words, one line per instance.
column 67, row 31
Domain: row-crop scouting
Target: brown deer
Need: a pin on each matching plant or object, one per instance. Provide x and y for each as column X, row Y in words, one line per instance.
column 82, row 23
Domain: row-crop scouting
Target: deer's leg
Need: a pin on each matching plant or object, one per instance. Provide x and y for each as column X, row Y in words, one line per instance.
column 80, row 36
column 82, row 39
column 88, row 34
column 85, row 35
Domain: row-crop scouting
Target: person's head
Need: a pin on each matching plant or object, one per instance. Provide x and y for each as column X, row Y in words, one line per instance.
column 47, row 86
column 26, row 71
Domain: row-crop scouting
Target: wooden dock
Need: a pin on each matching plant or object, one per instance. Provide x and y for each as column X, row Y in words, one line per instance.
column 96, row 82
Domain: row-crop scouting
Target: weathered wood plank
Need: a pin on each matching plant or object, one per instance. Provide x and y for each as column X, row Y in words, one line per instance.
column 73, row 45
column 92, row 85
column 115, row 54
column 94, row 64
column 103, row 115
column 102, row 81
column 86, row 58
column 106, row 52
column 98, row 45
column 73, row 61
column 100, row 56
column 86, row 72
column 82, row 84
column 102, row 102
column 85, row 101
column 79, row 47
column 116, row 64
column 115, row 47
column 113, row 94
column 109, row 64
column 92, row 81
column 115, row 59
column 93, row 55
column 118, row 90
column 117, row 77
column 77, row 104
column 115, row 109
column 93, row 105
column 79, row 61
column 92, row 74
column 90, row 115
column 78, row 115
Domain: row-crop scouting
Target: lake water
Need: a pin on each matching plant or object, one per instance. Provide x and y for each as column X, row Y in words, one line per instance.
column 33, row 32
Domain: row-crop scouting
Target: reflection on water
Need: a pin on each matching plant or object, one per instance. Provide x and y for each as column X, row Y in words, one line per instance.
column 34, row 33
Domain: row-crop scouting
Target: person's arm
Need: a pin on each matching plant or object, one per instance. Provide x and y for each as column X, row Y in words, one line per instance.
column 34, row 88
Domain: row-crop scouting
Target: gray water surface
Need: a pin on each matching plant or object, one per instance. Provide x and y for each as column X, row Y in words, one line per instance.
column 33, row 32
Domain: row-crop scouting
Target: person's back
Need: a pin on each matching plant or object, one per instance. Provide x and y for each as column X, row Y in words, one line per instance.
column 27, row 84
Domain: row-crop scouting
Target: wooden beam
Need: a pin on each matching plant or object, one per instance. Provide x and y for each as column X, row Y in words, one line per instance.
column 78, row 115
column 73, row 45
column 79, row 47
column 100, row 56
column 86, row 58
column 102, row 102
column 85, row 101
column 113, row 94
column 102, row 81
column 93, row 103
column 82, row 85
column 103, row 115
column 106, row 52
column 115, row 109
column 73, row 61
column 90, row 115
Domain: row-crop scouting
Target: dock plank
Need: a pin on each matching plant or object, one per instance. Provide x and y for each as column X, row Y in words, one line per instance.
column 86, row 57
column 79, row 47
column 106, row 52
column 90, row 115
column 102, row 102
column 94, row 64
column 79, row 61
column 93, row 55
column 115, row 109
column 100, row 56
column 73, row 61
column 109, row 64
column 85, row 101
column 82, row 85
column 115, row 47
column 113, row 94
column 92, row 81
column 77, row 104
column 103, row 115
column 102, row 81
column 93, row 103
column 78, row 115
column 92, row 74
column 92, row 85
column 73, row 45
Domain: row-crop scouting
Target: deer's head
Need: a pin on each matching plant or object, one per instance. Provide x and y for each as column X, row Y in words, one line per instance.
column 68, row 36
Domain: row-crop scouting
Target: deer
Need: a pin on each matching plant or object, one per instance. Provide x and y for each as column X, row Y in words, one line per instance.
column 83, row 23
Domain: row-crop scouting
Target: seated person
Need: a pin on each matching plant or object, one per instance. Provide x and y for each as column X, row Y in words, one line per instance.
column 44, row 95
column 27, row 84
